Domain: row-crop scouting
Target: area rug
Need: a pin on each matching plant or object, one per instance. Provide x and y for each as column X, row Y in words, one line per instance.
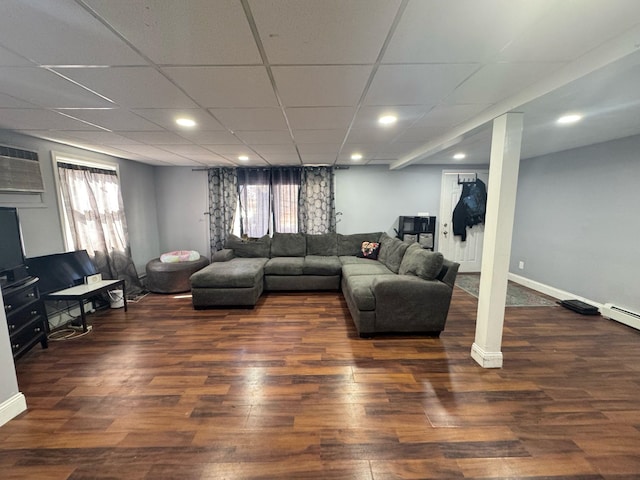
column 517, row 295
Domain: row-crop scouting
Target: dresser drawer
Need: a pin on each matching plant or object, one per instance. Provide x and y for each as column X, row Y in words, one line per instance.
column 28, row 335
column 19, row 298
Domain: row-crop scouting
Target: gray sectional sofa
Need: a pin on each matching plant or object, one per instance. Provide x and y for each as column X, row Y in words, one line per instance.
column 405, row 290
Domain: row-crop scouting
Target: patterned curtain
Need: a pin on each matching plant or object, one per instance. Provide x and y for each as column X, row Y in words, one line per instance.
column 95, row 221
column 223, row 200
column 254, row 191
column 316, row 206
column 285, row 186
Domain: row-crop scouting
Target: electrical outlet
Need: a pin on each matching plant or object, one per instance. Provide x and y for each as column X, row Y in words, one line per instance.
column 521, row 265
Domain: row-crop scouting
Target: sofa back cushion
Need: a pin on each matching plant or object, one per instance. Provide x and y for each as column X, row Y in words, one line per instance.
column 391, row 252
column 323, row 245
column 251, row 248
column 350, row 245
column 288, row 245
column 421, row 263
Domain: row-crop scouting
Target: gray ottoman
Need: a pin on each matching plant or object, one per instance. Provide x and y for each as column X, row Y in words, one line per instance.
column 172, row 277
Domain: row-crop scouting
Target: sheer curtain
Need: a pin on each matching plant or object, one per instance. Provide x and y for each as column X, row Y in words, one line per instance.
column 95, row 220
column 223, row 200
column 285, row 184
column 317, row 210
column 254, row 193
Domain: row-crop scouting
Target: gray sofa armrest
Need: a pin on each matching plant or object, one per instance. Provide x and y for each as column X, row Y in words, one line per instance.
column 223, row 255
column 405, row 303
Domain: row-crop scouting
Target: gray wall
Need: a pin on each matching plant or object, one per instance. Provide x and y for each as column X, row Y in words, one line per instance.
column 577, row 222
column 182, row 200
column 371, row 198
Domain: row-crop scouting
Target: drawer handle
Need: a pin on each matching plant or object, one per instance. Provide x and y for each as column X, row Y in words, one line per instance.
column 8, row 307
column 34, row 312
column 16, row 346
column 12, row 326
column 37, row 330
column 31, row 295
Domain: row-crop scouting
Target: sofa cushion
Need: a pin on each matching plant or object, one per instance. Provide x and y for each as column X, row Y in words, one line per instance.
column 348, row 260
column 360, row 290
column 350, row 244
column 391, row 252
column 236, row 273
column 321, row 265
column 251, row 248
column 288, row 245
column 368, row 268
column 324, row 245
column 284, row 266
column 421, row 263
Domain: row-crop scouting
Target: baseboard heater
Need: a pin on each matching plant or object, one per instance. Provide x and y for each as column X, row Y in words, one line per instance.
column 613, row 312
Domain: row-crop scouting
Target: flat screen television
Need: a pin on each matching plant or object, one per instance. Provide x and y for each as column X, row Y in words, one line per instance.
column 60, row 270
column 11, row 251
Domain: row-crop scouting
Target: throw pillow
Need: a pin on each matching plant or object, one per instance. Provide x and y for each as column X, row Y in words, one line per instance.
column 369, row 250
column 421, row 263
column 249, row 248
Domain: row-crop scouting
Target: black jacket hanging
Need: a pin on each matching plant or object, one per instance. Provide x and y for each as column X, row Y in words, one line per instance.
column 471, row 207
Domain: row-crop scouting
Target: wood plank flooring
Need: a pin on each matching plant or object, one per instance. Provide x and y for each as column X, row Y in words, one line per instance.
column 288, row 390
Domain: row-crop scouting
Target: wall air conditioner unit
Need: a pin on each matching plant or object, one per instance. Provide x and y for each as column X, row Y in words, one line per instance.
column 612, row 312
column 20, row 171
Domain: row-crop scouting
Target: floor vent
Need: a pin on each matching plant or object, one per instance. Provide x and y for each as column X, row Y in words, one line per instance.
column 621, row 315
column 20, row 171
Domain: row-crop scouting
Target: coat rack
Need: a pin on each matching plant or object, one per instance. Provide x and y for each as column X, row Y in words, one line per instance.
column 463, row 181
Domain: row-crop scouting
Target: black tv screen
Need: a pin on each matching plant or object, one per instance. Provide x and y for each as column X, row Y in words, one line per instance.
column 60, row 270
column 11, row 253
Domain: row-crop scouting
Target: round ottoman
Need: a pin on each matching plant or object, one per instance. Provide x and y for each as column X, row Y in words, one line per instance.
column 172, row 277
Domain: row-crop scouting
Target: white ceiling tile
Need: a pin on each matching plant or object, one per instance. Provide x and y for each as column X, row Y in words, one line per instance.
column 166, row 118
column 185, row 150
column 320, row 136
column 172, row 32
column 378, row 136
column 498, row 81
column 321, row 148
column 367, row 117
column 216, row 87
column 416, row 84
column 265, row 137
column 61, row 33
column 7, row 101
column 313, row 86
column 396, row 149
column 115, row 119
column 211, row 159
column 319, row 118
column 420, row 134
column 251, row 118
column 283, row 149
column 102, row 137
column 450, row 115
column 318, row 159
column 156, row 138
column 228, row 150
column 459, row 31
column 10, row 59
column 323, row 32
column 135, row 87
column 282, row 159
column 46, row 89
column 149, row 151
column 28, row 119
column 205, row 137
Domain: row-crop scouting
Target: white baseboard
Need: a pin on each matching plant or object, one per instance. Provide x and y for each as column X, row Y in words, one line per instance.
column 551, row 291
column 12, row 407
column 486, row 359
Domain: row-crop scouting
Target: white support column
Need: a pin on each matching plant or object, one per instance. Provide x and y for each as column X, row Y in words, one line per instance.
column 501, row 200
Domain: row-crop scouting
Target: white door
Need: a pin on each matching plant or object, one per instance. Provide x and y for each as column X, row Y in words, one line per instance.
column 468, row 253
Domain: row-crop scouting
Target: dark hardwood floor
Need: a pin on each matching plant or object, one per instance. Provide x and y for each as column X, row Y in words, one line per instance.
column 288, row 390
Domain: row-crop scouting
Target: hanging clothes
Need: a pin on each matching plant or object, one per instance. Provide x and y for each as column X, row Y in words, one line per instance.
column 471, row 207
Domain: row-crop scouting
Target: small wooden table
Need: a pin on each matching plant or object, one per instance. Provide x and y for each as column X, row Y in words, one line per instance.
column 83, row 292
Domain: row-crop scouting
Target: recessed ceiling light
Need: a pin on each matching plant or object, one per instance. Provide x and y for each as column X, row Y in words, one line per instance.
column 387, row 119
column 573, row 118
column 185, row 122
column 356, row 156
column 243, row 158
column 459, row 156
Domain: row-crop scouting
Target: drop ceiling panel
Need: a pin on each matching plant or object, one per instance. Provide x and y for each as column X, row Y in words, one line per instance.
column 498, row 81
column 156, row 138
column 228, row 150
column 319, row 118
column 186, row 149
column 211, row 159
column 46, row 89
column 416, row 84
column 420, row 134
column 166, row 118
column 318, row 159
column 27, row 119
column 80, row 39
column 265, row 137
column 320, row 136
column 437, row 31
column 7, row 101
column 316, row 86
column 251, row 118
column 282, row 149
column 183, row 34
column 367, row 117
column 321, row 148
column 115, row 119
column 208, row 137
column 378, row 136
column 323, row 32
column 10, row 59
column 101, row 137
column 214, row 87
column 282, row 159
column 134, row 87
column 450, row 115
